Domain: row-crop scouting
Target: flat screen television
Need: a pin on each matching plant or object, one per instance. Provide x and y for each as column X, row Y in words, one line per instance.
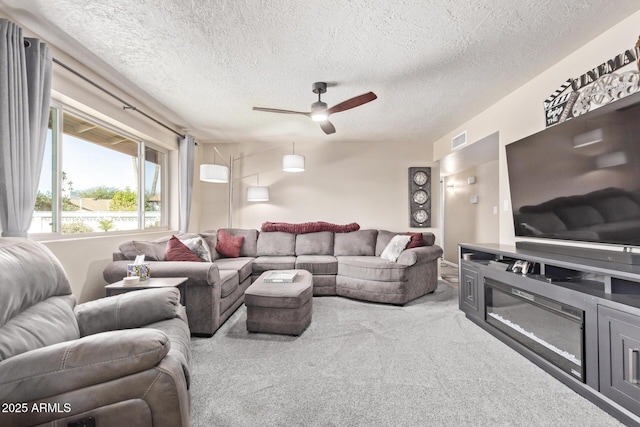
column 580, row 179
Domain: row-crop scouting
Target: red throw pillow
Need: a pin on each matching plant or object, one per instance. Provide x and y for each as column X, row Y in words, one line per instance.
column 416, row 240
column 229, row 245
column 178, row 251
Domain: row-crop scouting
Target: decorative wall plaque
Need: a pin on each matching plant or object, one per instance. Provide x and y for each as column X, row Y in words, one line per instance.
column 419, row 197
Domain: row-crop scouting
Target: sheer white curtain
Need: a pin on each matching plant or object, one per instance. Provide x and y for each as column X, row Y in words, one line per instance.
column 25, row 95
column 186, row 152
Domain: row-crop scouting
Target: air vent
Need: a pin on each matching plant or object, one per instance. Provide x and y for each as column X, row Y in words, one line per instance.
column 459, row 140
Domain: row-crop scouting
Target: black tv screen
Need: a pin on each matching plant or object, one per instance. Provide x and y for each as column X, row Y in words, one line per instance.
column 580, row 180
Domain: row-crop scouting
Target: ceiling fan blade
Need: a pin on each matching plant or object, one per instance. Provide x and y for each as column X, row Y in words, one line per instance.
column 352, row 103
column 327, row 127
column 275, row 110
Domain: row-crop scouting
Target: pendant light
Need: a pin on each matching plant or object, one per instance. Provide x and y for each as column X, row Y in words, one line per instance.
column 293, row 162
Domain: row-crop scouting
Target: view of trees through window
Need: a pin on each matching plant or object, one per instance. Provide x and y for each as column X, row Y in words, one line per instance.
column 90, row 180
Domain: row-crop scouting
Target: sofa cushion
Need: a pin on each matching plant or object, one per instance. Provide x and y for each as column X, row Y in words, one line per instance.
column 229, row 282
column 276, row 243
column 152, row 251
column 417, row 240
column 382, row 240
column 241, row 264
column 361, row 242
column 211, row 239
column 178, row 251
column 266, row 263
column 371, row 268
column 395, row 247
column 320, row 243
column 198, row 246
column 48, row 322
column 317, row 264
column 249, row 244
column 229, row 245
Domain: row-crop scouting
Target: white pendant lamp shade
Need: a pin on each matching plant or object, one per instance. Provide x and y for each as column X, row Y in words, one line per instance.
column 293, row 163
column 214, row 173
column 258, row 194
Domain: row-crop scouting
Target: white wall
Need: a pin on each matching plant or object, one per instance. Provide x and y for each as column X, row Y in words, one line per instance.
column 521, row 113
column 343, row 183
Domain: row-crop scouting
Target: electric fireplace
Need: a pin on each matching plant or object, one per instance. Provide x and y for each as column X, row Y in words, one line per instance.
column 553, row 330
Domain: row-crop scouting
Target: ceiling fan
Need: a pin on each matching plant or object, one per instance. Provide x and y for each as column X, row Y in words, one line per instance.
column 319, row 111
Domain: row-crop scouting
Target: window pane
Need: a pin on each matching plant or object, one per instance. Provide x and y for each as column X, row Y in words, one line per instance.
column 99, row 178
column 43, row 220
column 154, row 162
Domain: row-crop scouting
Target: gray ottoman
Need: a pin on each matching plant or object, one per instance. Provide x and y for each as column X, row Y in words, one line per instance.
column 280, row 308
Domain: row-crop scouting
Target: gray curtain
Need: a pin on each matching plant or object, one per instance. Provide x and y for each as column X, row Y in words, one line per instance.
column 186, row 147
column 25, row 96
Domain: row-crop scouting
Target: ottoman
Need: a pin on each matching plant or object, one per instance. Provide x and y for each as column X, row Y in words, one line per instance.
column 280, row 308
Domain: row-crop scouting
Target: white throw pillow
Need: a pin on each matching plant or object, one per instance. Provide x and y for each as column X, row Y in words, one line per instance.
column 395, row 248
column 199, row 247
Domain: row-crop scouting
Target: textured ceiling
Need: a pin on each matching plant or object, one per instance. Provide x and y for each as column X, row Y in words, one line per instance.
column 433, row 64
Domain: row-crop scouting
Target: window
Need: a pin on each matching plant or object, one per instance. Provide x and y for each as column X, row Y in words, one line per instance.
column 91, row 178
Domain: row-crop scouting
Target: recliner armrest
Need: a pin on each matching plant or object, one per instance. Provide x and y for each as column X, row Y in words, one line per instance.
column 71, row 365
column 420, row 255
column 129, row 310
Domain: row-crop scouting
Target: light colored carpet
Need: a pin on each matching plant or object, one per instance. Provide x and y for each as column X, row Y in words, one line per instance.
column 365, row 364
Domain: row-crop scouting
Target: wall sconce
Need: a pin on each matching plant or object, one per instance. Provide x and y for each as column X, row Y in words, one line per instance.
column 471, row 180
column 450, row 186
column 258, row 193
column 293, row 162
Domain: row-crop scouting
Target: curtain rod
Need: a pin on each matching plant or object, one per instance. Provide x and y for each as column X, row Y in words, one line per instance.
column 126, row 105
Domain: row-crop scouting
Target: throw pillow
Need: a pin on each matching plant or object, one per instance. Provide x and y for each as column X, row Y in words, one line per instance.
column 416, row 240
column 229, row 245
column 395, row 247
column 199, row 247
column 178, row 251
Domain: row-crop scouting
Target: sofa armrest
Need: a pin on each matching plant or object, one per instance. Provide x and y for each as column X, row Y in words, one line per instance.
column 128, row 310
column 71, row 365
column 199, row 273
column 420, row 255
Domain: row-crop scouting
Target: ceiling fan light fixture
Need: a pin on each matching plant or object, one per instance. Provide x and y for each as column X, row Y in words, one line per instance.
column 319, row 111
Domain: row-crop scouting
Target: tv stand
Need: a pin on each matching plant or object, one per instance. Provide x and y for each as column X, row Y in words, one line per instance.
column 604, row 294
column 624, row 257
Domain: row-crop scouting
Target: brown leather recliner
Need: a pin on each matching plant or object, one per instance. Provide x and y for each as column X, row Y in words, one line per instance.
column 121, row 360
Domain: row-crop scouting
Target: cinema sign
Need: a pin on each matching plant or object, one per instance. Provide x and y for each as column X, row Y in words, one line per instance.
column 595, row 88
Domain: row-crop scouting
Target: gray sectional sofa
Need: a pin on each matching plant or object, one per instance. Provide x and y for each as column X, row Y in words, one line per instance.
column 345, row 264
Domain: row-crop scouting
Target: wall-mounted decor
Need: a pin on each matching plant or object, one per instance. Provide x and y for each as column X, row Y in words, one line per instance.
column 595, row 88
column 420, row 197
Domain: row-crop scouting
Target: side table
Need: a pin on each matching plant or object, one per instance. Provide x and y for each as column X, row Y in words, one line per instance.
column 153, row 282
